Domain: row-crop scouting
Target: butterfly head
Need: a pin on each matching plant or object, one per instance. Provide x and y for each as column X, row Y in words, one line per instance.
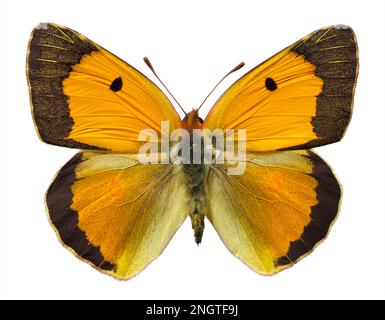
column 192, row 121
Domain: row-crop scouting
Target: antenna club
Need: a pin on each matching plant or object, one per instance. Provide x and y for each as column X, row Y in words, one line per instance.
column 148, row 63
column 239, row 66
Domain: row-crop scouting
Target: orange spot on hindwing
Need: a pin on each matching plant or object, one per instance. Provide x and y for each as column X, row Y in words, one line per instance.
column 274, row 183
column 115, row 188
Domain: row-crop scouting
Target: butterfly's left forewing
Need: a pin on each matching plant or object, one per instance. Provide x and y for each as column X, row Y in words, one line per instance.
column 85, row 97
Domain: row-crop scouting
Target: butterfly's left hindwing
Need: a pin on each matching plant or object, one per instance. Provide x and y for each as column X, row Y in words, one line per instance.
column 277, row 211
column 84, row 97
column 115, row 213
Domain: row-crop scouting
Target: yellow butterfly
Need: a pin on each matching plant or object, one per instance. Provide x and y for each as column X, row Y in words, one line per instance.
column 118, row 214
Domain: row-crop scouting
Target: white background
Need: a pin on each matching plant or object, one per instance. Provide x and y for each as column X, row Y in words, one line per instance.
column 193, row 44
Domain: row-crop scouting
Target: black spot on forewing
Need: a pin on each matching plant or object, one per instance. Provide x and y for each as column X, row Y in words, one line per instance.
column 117, row 84
column 270, row 84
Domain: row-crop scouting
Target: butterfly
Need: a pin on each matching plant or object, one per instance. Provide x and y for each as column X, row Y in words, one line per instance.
column 118, row 214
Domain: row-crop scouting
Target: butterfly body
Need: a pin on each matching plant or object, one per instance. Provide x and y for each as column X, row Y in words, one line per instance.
column 195, row 174
column 118, row 211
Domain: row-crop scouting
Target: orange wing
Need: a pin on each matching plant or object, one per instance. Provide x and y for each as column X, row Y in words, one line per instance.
column 298, row 99
column 115, row 213
column 277, row 211
column 83, row 96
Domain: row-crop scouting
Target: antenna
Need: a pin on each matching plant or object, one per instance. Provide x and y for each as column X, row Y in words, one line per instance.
column 239, row 66
column 148, row 63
